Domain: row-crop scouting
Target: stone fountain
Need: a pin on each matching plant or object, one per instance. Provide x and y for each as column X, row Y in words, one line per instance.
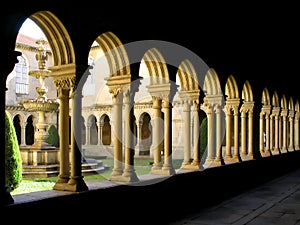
column 40, row 153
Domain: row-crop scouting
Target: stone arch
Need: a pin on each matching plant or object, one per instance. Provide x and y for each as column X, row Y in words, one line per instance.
column 188, row 76
column 212, row 103
column 246, row 111
column 29, row 130
column 291, row 117
column 265, row 123
column 156, row 66
column 247, row 93
column 92, row 130
column 145, row 134
column 275, row 124
column 106, row 129
column 190, row 95
column 232, row 120
column 115, row 53
column 17, row 121
column 57, row 36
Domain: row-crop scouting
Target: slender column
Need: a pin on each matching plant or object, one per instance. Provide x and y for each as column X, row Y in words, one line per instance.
column 100, row 127
column 63, row 129
column 261, row 133
column 23, row 134
column 186, row 133
column 76, row 182
column 210, row 137
column 129, row 171
column 279, row 133
column 219, row 158
column 296, row 134
column 276, row 146
column 236, row 156
column 271, row 133
column 250, row 133
column 157, row 134
column 196, row 161
column 167, row 166
column 284, row 131
column 243, row 133
column 117, row 130
column 267, row 118
column 291, row 122
column 228, row 133
column 87, row 133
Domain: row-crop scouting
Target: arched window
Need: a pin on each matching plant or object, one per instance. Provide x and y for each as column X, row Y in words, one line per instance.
column 21, row 70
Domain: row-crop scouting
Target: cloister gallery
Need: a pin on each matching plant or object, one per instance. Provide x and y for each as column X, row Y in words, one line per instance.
column 139, row 99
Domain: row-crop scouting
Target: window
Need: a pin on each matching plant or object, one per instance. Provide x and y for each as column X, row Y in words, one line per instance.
column 21, row 70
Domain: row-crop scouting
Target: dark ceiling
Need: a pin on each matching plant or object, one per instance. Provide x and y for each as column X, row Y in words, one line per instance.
column 257, row 42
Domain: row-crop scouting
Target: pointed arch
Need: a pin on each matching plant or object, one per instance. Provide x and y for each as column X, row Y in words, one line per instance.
column 115, row 53
column 283, row 102
column 275, row 99
column 157, row 67
column 57, row 36
column 291, row 104
column 231, row 88
column 247, row 93
column 211, row 84
column 266, row 97
column 187, row 76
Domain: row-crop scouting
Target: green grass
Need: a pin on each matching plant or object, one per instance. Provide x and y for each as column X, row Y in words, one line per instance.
column 141, row 165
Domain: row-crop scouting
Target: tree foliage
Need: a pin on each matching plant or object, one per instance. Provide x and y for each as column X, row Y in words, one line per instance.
column 13, row 159
column 53, row 138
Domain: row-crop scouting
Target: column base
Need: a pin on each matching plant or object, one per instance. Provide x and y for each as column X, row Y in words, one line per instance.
column 265, row 153
column 191, row 166
column 212, row 163
column 230, row 160
column 275, row 152
column 284, row 150
column 75, row 184
column 130, row 176
column 247, row 157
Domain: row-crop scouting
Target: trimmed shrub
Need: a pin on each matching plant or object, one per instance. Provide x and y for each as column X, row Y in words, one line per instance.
column 13, row 159
column 53, row 138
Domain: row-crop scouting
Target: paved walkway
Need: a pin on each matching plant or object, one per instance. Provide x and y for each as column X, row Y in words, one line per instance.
column 275, row 202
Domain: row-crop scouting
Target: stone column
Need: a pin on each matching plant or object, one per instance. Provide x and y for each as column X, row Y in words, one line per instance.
column 64, row 163
column 291, row 122
column 296, row 134
column 243, row 133
column 196, row 160
column 87, row 133
column 210, row 137
column 117, row 130
column 157, row 135
column 186, row 133
column 219, row 158
column 23, row 134
column 250, row 133
column 276, row 138
column 129, row 173
column 228, row 154
column 267, row 118
column 167, row 168
column 284, row 131
column 261, row 133
column 100, row 127
column 236, row 156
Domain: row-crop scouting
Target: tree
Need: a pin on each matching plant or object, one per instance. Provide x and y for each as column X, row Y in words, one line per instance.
column 53, row 138
column 13, row 159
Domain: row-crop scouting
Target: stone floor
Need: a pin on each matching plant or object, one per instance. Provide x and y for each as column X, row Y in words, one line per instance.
column 275, row 202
